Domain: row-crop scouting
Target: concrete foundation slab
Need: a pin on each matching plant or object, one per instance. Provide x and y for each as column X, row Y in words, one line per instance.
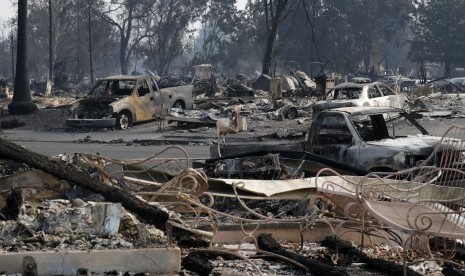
column 151, row 260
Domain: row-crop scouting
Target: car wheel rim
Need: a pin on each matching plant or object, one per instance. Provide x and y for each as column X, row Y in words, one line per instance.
column 178, row 105
column 124, row 121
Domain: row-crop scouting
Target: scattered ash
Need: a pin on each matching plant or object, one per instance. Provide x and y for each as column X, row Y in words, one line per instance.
column 8, row 167
column 60, row 225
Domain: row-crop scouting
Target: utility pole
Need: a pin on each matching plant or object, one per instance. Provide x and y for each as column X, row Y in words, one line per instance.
column 78, row 72
column 12, row 53
column 22, row 98
column 90, row 44
column 50, row 42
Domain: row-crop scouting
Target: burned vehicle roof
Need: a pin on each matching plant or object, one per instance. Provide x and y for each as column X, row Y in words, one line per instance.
column 360, row 80
column 123, row 77
column 350, row 85
column 375, row 110
column 355, row 86
column 367, row 110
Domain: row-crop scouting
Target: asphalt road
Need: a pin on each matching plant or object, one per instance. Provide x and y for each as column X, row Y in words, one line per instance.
column 114, row 144
column 51, row 143
column 116, row 151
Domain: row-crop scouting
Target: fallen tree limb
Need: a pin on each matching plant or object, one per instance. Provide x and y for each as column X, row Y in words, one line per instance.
column 351, row 254
column 267, row 243
column 149, row 213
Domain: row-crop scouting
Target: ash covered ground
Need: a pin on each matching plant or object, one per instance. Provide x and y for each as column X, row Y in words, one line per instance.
column 54, row 120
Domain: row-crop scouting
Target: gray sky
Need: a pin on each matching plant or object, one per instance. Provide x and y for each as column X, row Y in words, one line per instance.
column 6, row 10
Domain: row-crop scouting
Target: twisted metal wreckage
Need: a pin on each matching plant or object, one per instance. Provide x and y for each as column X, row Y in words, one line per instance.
column 151, row 207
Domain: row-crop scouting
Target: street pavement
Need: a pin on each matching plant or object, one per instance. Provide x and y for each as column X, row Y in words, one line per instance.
column 112, row 144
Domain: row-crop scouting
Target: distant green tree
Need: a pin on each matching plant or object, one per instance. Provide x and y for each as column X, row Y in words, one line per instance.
column 7, row 51
column 70, row 39
column 374, row 23
column 328, row 36
column 246, row 52
column 439, row 33
column 169, row 24
column 343, row 35
column 221, row 24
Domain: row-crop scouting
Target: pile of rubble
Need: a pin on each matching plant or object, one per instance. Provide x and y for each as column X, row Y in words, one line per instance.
column 86, row 214
column 265, row 98
column 97, row 215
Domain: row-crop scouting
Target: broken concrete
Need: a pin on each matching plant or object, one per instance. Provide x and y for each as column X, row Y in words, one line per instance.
column 36, row 185
column 145, row 260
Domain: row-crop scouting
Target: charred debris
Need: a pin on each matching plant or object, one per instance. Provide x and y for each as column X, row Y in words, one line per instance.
column 255, row 212
column 88, row 211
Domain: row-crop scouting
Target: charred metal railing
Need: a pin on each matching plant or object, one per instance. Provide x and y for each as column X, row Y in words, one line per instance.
column 183, row 191
column 411, row 207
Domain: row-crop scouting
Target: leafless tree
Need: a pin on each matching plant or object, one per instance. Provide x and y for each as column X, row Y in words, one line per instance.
column 126, row 16
column 275, row 12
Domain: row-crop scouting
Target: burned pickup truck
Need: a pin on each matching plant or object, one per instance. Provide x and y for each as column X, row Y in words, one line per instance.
column 120, row 101
column 377, row 139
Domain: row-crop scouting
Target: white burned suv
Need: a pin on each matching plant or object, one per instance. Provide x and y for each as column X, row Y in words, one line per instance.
column 361, row 94
column 120, row 101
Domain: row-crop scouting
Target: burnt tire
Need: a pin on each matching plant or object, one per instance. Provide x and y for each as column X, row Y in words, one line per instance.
column 124, row 120
column 291, row 112
column 179, row 104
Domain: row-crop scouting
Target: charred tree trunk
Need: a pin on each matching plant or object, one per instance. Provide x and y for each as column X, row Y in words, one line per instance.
column 149, row 213
column 275, row 12
column 22, row 99
column 269, row 49
column 12, row 54
column 90, row 43
column 124, row 53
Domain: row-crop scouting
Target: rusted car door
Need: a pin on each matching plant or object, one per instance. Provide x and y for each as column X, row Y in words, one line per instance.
column 143, row 101
column 334, row 139
column 157, row 99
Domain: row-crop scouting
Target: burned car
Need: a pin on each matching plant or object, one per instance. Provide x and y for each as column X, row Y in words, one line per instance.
column 120, row 101
column 370, row 138
column 361, row 94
